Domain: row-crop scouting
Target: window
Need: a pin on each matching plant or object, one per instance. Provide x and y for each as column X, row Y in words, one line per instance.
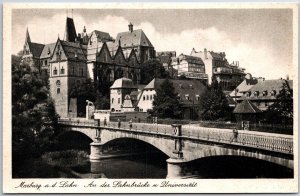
column 55, row 71
column 73, row 71
column 119, row 100
column 112, row 100
column 58, row 90
column 144, row 97
column 81, row 71
column 266, row 104
column 46, row 62
column 187, row 97
column 197, row 97
column 147, row 97
column 150, row 97
column 58, row 83
column 62, row 70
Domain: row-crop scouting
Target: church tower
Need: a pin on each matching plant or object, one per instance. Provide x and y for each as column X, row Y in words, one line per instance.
column 71, row 35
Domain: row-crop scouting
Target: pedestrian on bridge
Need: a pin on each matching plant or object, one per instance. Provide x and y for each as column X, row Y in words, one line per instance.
column 119, row 123
column 105, row 122
column 130, row 123
column 235, row 135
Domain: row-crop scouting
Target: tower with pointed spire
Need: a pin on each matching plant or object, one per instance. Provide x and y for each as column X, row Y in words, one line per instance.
column 70, row 30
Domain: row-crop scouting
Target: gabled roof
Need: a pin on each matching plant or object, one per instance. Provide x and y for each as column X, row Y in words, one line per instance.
column 216, row 55
column 246, row 107
column 269, row 85
column 71, row 48
column 134, row 38
column 244, row 86
column 191, row 59
column 47, row 50
column 103, row 36
column 123, row 83
column 36, row 49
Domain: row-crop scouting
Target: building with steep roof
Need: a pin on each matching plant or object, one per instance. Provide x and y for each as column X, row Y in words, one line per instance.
column 217, row 67
column 67, row 69
column 189, row 93
column 82, row 56
column 165, row 59
column 247, row 111
column 264, row 93
column 120, row 93
column 244, row 86
column 190, row 67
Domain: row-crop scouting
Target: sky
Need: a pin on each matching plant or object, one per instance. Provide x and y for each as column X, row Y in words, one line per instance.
column 260, row 39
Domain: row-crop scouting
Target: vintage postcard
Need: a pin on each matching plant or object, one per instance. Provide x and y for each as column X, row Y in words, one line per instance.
column 150, row 98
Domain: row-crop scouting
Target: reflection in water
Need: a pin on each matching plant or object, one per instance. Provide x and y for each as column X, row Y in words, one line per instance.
column 135, row 166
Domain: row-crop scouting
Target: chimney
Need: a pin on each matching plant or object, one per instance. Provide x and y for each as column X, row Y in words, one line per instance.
column 205, row 53
column 287, row 77
column 130, row 27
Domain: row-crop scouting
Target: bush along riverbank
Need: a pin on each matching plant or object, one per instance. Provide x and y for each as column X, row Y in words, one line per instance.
column 58, row 164
column 66, row 158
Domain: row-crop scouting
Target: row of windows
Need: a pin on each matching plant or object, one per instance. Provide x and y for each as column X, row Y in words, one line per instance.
column 112, row 100
column 62, row 71
column 148, row 97
column 264, row 93
column 187, row 97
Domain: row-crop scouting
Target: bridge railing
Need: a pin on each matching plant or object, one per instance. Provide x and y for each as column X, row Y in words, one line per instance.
column 268, row 141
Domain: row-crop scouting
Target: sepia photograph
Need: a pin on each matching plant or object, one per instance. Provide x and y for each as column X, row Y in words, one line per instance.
column 150, row 98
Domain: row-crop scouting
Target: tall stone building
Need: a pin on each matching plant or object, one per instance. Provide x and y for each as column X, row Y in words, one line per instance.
column 96, row 56
column 37, row 55
column 217, row 67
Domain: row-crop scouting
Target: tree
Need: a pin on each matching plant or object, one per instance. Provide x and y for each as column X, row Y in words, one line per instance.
column 166, row 104
column 102, row 101
column 281, row 111
column 34, row 120
column 152, row 68
column 82, row 92
column 213, row 103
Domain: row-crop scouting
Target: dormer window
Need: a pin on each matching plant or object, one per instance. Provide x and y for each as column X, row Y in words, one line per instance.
column 249, row 94
column 265, row 93
column 256, row 93
column 187, row 97
column 273, row 93
column 178, row 97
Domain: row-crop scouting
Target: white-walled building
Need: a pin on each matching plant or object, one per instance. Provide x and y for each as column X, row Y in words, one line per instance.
column 120, row 95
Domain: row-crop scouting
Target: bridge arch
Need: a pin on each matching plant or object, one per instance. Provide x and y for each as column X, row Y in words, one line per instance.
column 163, row 145
column 132, row 139
column 217, row 151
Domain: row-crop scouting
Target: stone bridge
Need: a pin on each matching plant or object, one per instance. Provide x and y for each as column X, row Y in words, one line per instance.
column 188, row 142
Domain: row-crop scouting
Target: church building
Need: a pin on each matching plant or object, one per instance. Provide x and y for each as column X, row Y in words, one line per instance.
column 78, row 57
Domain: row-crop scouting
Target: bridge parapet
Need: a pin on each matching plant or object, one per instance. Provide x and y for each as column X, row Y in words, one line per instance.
column 265, row 141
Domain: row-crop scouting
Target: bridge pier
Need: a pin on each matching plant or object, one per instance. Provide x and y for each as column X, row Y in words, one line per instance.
column 96, row 151
column 175, row 168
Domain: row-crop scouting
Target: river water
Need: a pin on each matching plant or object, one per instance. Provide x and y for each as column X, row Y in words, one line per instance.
column 154, row 166
column 141, row 160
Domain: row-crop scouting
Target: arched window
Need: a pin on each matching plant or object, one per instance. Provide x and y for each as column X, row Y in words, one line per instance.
column 58, row 90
